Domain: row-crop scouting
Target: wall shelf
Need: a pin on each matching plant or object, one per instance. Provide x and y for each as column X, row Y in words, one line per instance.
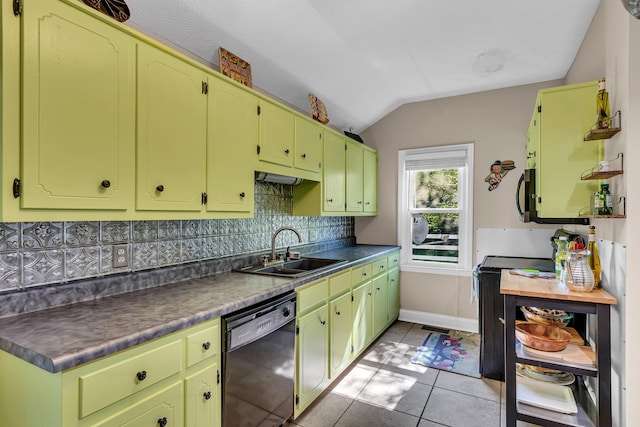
column 596, row 172
column 596, row 134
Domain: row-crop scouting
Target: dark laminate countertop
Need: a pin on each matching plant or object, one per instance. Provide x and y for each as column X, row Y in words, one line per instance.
column 60, row 338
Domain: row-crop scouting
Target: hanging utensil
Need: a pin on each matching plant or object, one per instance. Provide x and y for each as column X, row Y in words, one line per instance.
column 116, row 9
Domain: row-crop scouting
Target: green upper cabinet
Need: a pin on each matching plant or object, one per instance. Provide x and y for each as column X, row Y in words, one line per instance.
column 533, row 136
column 78, row 111
column 308, row 152
column 277, row 134
column 333, row 179
column 354, row 173
column 566, row 114
column 370, row 180
column 232, row 136
column 172, row 132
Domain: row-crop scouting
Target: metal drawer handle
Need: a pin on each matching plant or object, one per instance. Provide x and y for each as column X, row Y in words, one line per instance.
column 206, row 345
column 141, row 375
column 207, row 395
column 162, row 421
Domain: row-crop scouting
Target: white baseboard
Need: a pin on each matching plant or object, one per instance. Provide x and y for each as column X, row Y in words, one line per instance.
column 440, row 320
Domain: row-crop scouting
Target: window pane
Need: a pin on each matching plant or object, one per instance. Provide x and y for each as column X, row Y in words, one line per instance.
column 439, row 241
column 434, row 188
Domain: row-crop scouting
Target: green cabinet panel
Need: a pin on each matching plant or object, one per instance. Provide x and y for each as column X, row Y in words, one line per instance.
column 277, row 134
column 165, row 405
column 533, row 137
column 202, row 398
column 312, row 357
column 567, row 113
column 340, row 326
column 393, row 277
column 370, row 180
column 172, row 132
column 334, row 175
column 354, row 174
column 232, row 140
column 78, row 129
column 362, row 317
column 380, row 303
column 308, row 153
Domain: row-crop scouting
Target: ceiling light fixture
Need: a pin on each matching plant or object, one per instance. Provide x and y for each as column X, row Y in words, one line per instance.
column 633, row 6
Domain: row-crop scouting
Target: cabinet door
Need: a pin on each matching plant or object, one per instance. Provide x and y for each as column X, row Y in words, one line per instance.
column 393, row 277
column 370, row 180
column 78, row 110
column 233, row 136
column 380, row 304
column 276, row 134
column 172, row 132
column 308, row 154
column 533, row 137
column 164, row 405
column 333, row 184
column 354, row 171
column 362, row 321
column 312, row 361
column 567, row 114
column 202, row 398
column 340, row 326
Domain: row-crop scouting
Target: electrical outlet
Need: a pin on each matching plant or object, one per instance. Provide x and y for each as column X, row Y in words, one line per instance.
column 120, row 256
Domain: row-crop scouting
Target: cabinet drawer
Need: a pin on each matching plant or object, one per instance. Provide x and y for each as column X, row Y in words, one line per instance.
column 393, row 260
column 166, row 404
column 339, row 283
column 312, row 294
column 361, row 273
column 379, row 266
column 115, row 382
column 202, row 345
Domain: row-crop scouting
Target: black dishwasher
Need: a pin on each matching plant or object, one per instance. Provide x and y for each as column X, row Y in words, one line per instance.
column 491, row 308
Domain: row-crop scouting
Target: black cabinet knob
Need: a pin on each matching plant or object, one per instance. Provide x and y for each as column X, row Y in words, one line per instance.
column 105, row 183
column 162, row 422
column 206, row 345
column 323, row 322
column 141, row 375
column 330, row 200
column 286, row 312
column 304, row 156
column 207, row 395
column 337, row 313
column 160, row 188
column 242, row 195
column 286, row 151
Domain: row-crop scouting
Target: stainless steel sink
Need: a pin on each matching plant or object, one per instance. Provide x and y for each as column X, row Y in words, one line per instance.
column 294, row 268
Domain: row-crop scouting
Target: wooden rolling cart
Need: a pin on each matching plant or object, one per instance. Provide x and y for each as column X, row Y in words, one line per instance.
column 552, row 294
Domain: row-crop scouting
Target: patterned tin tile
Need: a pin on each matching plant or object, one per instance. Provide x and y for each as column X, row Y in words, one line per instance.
column 9, row 236
column 42, row 267
column 145, row 231
column 145, row 255
column 191, row 249
column 169, row 230
column 169, row 252
column 36, row 235
column 190, row 228
column 81, row 233
column 115, row 231
column 82, row 262
column 209, row 247
column 10, row 271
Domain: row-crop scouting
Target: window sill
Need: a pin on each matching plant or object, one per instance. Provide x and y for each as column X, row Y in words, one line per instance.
column 456, row 271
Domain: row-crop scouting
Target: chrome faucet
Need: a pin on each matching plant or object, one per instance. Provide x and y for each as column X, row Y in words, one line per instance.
column 275, row 234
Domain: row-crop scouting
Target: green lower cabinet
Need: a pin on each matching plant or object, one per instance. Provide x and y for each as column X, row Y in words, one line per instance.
column 380, row 304
column 340, row 326
column 393, row 281
column 202, row 398
column 312, row 357
column 362, row 317
column 161, row 409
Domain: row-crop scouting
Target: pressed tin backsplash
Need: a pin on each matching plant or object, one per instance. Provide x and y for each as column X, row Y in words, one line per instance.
column 40, row 253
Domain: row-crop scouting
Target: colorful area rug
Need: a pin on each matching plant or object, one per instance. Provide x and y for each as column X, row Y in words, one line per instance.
column 454, row 351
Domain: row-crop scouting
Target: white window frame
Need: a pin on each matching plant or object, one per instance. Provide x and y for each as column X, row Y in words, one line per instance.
column 465, row 204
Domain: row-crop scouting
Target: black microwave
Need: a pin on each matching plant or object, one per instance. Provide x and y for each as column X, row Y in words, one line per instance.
column 528, row 211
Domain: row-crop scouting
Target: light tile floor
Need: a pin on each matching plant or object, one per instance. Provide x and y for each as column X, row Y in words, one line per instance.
column 383, row 388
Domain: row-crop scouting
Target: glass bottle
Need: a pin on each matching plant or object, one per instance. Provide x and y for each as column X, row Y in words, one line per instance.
column 595, row 202
column 561, row 256
column 606, row 203
column 594, row 258
column 602, row 105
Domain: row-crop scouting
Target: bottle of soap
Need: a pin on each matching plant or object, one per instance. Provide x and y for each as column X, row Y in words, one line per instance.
column 602, row 105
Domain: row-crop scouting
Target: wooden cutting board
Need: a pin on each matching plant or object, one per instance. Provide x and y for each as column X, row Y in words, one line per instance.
column 574, row 354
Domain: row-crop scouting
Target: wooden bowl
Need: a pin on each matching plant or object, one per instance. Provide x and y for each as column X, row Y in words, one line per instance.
column 542, row 337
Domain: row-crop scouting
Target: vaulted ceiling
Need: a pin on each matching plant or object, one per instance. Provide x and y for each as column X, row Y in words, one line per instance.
column 365, row 58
